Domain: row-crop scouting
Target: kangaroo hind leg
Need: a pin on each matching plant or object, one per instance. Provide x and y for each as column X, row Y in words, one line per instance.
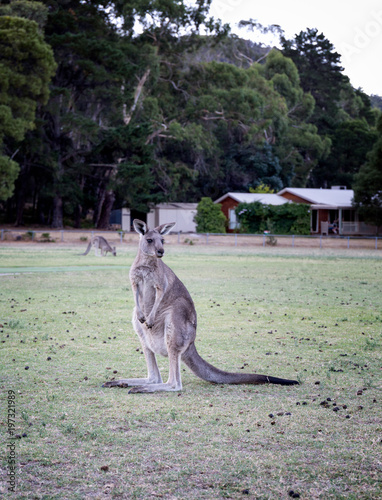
column 153, row 374
column 174, row 382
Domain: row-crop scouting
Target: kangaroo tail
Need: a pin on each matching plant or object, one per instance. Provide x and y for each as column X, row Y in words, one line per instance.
column 210, row 373
column 88, row 249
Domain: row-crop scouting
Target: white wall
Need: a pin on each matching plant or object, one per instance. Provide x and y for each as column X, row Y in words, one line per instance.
column 183, row 217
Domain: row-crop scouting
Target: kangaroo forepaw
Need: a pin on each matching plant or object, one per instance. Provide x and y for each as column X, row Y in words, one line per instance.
column 150, row 322
column 141, row 319
column 115, row 383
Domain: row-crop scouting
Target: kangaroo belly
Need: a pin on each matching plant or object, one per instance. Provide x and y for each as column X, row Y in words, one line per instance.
column 154, row 338
column 155, row 341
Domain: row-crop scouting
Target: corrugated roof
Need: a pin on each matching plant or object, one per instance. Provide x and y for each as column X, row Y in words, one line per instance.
column 175, row 206
column 332, row 197
column 264, row 198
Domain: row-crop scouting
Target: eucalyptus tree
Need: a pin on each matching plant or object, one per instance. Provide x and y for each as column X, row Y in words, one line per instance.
column 368, row 184
column 341, row 113
column 231, row 128
column 26, row 67
column 106, row 70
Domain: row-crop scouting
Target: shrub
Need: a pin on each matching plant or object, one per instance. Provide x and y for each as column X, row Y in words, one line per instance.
column 209, row 217
column 45, row 238
column 290, row 218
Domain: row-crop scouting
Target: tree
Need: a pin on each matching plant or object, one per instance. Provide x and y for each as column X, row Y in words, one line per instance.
column 340, row 112
column 262, row 188
column 297, row 143
column 376, row 101
column 320, row 73
column 209, row 217
column 106, row 71
column 368, row 184
column 26, row 67
column 227, row 128
column 351, row 141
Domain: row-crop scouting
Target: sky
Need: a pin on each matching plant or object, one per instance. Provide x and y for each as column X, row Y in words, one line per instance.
column 354, row 27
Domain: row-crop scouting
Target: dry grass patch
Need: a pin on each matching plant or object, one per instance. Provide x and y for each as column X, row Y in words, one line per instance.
column 312, row 317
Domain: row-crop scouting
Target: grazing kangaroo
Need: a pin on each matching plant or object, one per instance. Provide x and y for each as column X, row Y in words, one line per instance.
column 99, row 243
column 164, row 318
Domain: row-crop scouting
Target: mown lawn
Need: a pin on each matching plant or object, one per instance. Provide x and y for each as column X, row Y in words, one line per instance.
column 65, row 328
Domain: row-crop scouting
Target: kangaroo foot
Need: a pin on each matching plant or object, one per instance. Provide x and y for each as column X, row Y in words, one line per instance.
column 115, row 383
column 139, row 389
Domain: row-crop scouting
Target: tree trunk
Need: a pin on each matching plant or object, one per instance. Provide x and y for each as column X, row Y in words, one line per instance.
column 21, row 192
column 104, row 218
column 77, row 216
column 57, row 218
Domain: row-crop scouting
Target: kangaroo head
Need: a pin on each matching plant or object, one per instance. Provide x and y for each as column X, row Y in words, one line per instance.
column 151, row 240
column 114, row 252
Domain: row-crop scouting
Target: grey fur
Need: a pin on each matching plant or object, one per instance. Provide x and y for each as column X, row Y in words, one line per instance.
column 164, row 318
column 100, row 244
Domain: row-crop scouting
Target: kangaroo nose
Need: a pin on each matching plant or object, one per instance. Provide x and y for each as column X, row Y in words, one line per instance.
column 160, row 252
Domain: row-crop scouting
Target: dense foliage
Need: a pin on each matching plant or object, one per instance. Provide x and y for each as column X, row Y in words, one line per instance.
column 209, row 217
column 368, row 184
column 144, row 109
column 341, row 114
column 26, row 66
column 290, row 218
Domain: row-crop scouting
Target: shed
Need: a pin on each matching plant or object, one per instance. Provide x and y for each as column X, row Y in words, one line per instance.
column 181, row 213
column 120, row 219
column 230, row 201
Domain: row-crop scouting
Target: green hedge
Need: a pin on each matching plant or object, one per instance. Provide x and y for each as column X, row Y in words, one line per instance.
column 209, row 217
column 290, row 218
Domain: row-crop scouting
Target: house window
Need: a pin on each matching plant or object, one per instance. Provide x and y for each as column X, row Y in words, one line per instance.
column 314, row 222
column 348, row 215
column 333, row 215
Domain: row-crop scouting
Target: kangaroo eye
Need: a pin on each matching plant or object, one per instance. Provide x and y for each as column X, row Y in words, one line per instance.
column 162, row 241
column 149, row 240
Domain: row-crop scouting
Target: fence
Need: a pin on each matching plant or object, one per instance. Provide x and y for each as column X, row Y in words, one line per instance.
column 58, row 235
column 226, row 239
column 237, row 239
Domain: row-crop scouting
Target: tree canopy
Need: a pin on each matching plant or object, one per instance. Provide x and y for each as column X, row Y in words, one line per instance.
column 127, row 104
column 26, row 67
column 368, row 184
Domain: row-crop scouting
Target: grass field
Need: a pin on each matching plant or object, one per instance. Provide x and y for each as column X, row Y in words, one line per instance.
column 65, row 328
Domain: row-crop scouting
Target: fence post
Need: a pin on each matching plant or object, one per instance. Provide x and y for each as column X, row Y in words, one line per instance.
column 263, row 240
column 320, row 240
column 376, row 243
column 348, row 241
column 235, row 239
column 293, row 240
column 178, row 237
column 62, row 235
column 2, row 234
column 120, row 236
column 207, row 238
column 33, row 233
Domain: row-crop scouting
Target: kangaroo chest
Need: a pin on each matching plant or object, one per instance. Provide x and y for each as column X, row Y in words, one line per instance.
column 148, row 281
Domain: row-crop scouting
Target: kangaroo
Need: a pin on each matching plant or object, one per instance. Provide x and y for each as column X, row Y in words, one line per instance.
column 100, row 244
column 164, row 318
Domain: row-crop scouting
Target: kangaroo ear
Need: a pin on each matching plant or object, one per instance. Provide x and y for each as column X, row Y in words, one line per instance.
column 140, row 227
column 165, row 228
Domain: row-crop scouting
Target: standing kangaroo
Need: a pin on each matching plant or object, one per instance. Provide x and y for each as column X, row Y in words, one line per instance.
column 164, row 318
column 100, row 243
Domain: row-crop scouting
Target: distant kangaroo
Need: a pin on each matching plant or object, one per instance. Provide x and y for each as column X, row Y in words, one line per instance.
column 164, row 318
column 100, row 245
